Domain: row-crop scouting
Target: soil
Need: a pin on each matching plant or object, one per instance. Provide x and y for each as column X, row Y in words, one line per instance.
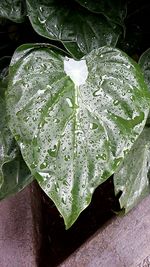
column 59, row 243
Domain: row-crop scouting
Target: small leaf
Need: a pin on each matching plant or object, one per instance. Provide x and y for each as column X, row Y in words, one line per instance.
column 144, row 62
column 14, row 173
column 74, row 120
column 112, row 10
column 14, row 10
column 79, row 30
column 133, row 176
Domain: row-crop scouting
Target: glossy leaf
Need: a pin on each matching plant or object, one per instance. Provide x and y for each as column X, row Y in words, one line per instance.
column 74, row 120
column 14, row 173
column 14, row 10
column 79, row 30
column 133, row 176
column 112, row 10
column 144, row 63
column 4, row 62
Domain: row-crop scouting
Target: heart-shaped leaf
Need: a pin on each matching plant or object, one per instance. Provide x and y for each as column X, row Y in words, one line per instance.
column 79, row 30
column 14, row 173
column 113, row 10
column 74, row 120
column 133, row 176
column 14, row 10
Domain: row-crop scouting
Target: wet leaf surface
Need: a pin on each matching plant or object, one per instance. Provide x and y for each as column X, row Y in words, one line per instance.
column 114, row 10
column 144, row 62
column 14, row 10
column 74, row 120
column 133, row 176
column 14, row 173
column 79, row 30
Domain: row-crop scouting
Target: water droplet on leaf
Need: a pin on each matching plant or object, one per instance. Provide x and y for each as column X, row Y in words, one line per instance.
column 43, row 165
column 69, row 101
column 67, row 157
column 53, row 152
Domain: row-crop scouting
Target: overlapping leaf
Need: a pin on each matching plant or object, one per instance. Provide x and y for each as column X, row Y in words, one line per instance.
column 79, row 30
column 144, row 62
column 113, row 10
column 14, row 10
column 14, row 173
column 133, row 176
column 74, row 120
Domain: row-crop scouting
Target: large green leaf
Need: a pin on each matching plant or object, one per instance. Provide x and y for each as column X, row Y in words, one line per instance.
column 14, row 10
column 79, row 30
column 133, row 176
column 74, row 120
column 14, row 173
column 113, row 10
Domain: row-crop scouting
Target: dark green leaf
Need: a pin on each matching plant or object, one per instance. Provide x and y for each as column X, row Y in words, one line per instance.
column 113, row 10
column 79, row 30
column 14, row 173
column 14, row 10
column 74, row 120
column 133, row 176
column 4, row 62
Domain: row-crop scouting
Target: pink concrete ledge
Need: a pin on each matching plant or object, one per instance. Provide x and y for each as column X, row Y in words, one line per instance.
column 20, row 238
column 122, row 242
